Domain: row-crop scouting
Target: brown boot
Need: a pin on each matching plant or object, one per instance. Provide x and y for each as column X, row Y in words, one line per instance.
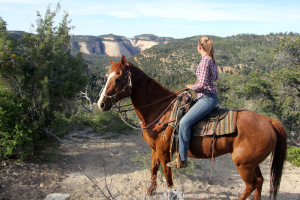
column 177, row 163
column 172, row 164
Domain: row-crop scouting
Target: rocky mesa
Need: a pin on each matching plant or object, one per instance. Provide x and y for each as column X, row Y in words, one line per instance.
column 114, row 46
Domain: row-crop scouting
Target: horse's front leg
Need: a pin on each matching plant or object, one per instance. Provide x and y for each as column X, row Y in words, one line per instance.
column 164, row 158
column 154, row 168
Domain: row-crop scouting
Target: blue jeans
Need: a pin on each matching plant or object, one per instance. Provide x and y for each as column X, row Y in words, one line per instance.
column 202, row 107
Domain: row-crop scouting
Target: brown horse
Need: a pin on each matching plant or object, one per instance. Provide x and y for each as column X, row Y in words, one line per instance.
column 257, row 136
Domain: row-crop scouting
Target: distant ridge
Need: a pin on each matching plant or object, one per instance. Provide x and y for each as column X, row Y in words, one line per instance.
column 114, row 45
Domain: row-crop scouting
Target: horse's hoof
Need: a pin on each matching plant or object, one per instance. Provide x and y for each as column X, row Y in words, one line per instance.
column 151, row 190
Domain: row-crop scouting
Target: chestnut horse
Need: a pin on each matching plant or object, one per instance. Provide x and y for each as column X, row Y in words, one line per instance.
column 257, row 136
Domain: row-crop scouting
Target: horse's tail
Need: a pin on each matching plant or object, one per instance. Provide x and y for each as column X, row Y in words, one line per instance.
column 279, row 155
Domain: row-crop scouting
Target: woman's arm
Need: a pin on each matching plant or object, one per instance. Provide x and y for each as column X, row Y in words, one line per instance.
column 202, row 74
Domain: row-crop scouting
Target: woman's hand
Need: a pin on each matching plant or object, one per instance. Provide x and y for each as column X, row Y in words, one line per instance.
column 189, row 86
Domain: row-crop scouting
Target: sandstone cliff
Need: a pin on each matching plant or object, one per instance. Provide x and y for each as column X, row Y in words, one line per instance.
column 142, row 42
column 115, row 46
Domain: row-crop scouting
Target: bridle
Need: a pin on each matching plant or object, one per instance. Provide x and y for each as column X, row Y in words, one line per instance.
column 128, row 85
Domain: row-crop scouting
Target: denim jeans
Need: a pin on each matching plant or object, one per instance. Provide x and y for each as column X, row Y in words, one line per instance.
column 202, row 107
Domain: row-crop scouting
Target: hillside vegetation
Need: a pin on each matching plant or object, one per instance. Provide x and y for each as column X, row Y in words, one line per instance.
column 259, row 73
column 174, row 64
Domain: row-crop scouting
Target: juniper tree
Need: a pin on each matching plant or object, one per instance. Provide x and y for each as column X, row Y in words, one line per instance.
column 39, row 69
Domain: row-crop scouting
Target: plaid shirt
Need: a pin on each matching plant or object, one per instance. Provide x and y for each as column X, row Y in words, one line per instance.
column 207, row 73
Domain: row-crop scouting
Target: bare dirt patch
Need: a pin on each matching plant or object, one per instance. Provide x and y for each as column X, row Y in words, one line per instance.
column 111, row 161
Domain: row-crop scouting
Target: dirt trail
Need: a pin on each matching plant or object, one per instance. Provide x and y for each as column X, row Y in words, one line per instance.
column 117, row 156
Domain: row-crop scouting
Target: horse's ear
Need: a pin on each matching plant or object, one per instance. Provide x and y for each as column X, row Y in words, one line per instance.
column 111, row 61
column 123, row 60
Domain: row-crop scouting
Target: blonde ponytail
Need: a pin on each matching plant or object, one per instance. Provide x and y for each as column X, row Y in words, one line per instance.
column 208, row 46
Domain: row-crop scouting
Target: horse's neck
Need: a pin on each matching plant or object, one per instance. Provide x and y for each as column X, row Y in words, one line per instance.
column 144, row 97
column 146, row 108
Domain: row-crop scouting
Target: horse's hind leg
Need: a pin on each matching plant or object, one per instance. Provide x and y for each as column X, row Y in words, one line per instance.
column 253, row 180
column 248, row 175
column 259, row 183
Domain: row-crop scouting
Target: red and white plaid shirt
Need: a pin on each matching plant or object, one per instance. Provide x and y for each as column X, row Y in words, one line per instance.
column 207, row 73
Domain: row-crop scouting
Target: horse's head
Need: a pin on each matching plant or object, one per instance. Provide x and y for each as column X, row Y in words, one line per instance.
column 118, row 85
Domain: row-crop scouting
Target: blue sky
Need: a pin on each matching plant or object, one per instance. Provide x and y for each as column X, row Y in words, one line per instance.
column 171, row 18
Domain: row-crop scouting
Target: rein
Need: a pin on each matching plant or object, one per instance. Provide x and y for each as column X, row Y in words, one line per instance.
column 179, row 94
column 150, row 104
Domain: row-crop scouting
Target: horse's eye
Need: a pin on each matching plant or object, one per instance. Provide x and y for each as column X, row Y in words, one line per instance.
column 117, row 80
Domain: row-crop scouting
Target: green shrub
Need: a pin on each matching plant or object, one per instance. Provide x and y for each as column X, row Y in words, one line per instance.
column 293, row 155
column 100, row 122
column 18, row 132
column 60, row 125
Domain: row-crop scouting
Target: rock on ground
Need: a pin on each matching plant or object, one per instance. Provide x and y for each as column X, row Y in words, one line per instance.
column 57, row 196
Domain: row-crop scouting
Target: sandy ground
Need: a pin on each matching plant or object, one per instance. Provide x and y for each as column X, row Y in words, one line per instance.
column 116, row 164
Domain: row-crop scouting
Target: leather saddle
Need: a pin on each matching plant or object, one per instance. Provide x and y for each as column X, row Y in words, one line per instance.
column 219, row 121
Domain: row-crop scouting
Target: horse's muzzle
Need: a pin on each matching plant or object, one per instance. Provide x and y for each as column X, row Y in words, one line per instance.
column 103, row 106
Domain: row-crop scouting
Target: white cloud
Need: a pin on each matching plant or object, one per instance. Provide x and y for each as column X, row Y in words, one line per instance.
column 189, row 10
column 166, row 17
column 192, row 10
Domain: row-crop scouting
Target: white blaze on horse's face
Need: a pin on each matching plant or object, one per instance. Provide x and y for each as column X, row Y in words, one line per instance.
column 101, row 100
column 114, row 89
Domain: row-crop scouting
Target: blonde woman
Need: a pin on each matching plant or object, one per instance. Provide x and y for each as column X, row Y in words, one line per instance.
column 207, row 74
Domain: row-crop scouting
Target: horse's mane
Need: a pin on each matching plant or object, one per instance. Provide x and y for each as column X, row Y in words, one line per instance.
column 142, row 79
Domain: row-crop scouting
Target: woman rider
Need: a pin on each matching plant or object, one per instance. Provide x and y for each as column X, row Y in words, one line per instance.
column 207, row 74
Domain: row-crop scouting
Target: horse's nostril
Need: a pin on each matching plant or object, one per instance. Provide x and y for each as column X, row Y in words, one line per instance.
column 102, row 105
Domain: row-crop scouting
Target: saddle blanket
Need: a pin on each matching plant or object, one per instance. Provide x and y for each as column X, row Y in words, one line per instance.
column 208, row 125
